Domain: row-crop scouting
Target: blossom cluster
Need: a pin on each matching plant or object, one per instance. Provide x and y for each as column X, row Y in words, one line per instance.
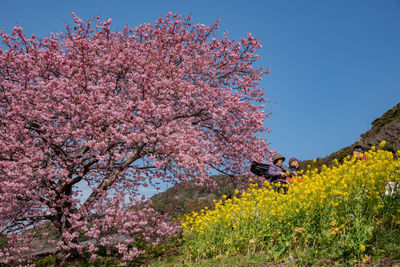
column 115, row 111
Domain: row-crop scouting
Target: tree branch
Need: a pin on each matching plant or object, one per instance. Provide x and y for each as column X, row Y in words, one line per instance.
column 81, row 152
column 110, row 177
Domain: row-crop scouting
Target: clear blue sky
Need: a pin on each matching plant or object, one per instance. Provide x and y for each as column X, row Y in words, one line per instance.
column 335, row 65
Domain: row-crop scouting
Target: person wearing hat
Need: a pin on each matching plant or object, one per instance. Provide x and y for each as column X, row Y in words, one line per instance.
column 293, row 166
column 293, row 169
column 358, row 152
column 277, row 171
column 277, row 174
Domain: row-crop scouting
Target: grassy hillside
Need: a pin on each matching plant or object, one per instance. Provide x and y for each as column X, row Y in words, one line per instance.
column 344, row 214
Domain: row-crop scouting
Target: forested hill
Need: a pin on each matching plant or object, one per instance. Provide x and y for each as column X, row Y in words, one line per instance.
column 184, row 198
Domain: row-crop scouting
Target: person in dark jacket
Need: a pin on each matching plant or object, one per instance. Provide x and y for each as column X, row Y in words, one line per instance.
column 294, row 170
column 293, row 166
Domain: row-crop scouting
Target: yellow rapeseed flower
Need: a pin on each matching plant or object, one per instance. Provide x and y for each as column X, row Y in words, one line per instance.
column 262, row 210
column 382, row 144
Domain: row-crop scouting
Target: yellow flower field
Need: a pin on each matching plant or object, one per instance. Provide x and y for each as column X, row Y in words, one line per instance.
column 334, row 211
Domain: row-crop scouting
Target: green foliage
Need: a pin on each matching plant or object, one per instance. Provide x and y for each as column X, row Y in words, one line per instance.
column 187, row 197
column 254, row 259
column 197, row 205
column 46, row 262
column 3, row 241
column 106, row 261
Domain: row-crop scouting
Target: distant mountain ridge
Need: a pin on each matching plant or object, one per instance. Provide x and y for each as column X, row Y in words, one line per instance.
column 184, row 198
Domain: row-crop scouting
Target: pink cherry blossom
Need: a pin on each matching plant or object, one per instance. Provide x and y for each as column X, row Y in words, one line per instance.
column 115, row 111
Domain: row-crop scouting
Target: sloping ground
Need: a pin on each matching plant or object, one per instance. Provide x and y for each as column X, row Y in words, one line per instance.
column 187, row 197
column 386, row 127
column 259, row 260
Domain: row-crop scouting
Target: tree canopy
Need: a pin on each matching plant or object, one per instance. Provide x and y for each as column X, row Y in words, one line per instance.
column 117, row 110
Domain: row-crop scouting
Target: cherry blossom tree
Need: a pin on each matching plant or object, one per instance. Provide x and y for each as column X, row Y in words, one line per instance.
column 116, row 111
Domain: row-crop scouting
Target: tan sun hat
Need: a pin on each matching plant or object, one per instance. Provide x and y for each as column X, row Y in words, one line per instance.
column 276, row 157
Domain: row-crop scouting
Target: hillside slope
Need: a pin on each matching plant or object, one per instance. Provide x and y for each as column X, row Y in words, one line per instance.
column 184, row 198
column 386, row 127
column 187, row 197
